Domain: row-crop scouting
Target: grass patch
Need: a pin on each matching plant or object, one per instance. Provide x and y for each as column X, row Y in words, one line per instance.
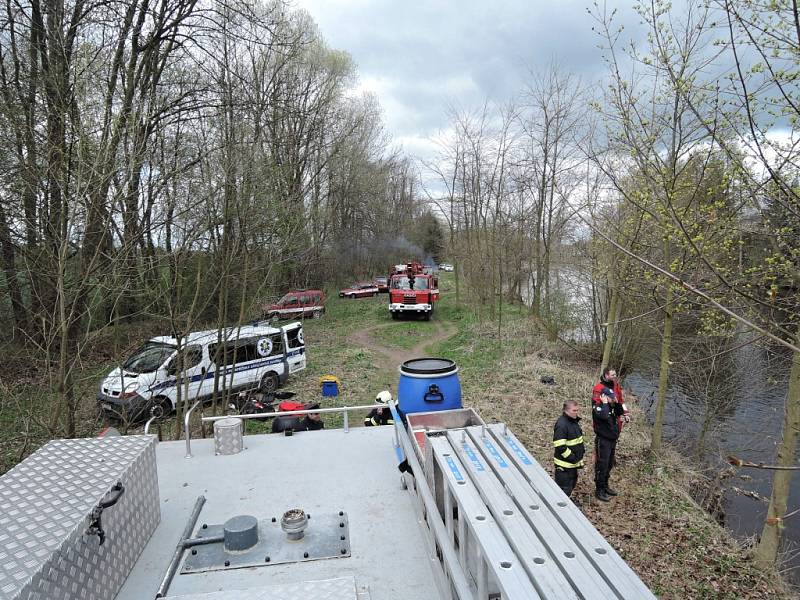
column 404, row 335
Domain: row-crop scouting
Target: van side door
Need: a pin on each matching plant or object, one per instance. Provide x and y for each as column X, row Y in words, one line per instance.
column 190, row 377
column 295, row 347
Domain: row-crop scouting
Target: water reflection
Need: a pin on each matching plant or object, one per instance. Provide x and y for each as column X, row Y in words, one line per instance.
column 729, row 404
column 726, row 397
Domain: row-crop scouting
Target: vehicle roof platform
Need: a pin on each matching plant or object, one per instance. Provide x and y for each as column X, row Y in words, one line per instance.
column 322, row 472
column 315, row 515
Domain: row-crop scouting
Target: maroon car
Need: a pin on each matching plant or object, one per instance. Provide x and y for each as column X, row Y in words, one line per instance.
column 359, row 290
column 382, row 283
column 297, row 304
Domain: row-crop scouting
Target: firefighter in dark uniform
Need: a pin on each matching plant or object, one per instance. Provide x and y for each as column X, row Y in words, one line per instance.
column 606, row 413
column 313, row 421
column 380, row 415
column 568, row 448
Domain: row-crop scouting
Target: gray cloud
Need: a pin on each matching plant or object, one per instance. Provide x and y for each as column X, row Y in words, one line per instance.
column 418, row 56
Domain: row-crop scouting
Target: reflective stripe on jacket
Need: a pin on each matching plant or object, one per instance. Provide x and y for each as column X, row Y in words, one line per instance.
column 568, row 447
column 375, row 418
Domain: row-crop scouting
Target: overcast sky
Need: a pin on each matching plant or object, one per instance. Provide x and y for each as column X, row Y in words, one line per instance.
column 418, row 56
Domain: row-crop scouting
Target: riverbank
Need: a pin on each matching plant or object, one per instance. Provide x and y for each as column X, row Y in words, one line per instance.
column 670, row 541
column 676, row 548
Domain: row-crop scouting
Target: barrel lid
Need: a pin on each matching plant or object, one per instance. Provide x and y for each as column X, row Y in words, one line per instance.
column 427, row 366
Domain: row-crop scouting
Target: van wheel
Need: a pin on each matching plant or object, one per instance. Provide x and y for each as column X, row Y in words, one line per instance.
column 317, row 314
column 269, row 383
column 165, row 404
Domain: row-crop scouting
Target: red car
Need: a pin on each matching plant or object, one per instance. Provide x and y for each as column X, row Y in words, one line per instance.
column 359, row 290
column 297, row 304
column 382, row 283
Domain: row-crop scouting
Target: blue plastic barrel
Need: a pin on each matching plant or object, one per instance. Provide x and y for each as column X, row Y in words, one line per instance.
column 428, row 384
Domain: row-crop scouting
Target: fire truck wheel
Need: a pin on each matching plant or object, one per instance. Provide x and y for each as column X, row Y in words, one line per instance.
column 427, row 316
column 269, row 383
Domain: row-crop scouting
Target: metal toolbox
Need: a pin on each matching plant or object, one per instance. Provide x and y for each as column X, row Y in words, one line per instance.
column 74, row 517
column 427, row 422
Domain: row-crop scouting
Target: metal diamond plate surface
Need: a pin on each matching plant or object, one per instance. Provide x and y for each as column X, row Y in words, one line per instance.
column 343, row 588
column 327, row 536
column 45, row 503
column 228, row 436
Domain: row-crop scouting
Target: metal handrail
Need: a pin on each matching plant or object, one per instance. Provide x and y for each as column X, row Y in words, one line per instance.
column 307, row 411
column 449, row 557
column 147, row 425
column 186, row 429
column 155, row 413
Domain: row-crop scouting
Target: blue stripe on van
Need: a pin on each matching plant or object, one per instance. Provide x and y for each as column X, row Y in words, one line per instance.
column 229, row 370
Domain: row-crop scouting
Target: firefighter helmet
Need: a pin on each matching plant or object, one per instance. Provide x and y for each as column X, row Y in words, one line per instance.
column 383, row 397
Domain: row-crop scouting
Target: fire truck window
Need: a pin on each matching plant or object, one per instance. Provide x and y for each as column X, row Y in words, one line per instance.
column 400, row 283
column 420, row 283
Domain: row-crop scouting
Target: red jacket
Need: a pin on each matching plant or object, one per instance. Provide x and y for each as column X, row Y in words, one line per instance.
column 614, row 410
column 604, row 411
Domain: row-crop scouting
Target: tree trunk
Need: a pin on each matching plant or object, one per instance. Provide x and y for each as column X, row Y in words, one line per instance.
column 663, row 376
column 767, row 550
column 611, row 319
column 9, row 265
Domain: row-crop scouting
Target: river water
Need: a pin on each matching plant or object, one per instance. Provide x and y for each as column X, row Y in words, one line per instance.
column 733, row 403
column 742, row 402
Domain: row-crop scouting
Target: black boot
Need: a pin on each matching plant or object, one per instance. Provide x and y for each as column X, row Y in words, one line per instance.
column 602, row 496
column 611, row 492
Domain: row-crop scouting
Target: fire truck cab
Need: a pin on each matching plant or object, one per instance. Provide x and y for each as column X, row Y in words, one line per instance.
column 411, row 293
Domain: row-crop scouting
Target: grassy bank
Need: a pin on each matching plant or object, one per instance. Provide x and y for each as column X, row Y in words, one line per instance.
column 677, row 549
column 672, row 543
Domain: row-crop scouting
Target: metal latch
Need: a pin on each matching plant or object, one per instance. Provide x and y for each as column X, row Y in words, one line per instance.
column 110, row 499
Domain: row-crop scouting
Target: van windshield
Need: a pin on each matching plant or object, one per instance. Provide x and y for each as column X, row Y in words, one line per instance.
column 149, row 357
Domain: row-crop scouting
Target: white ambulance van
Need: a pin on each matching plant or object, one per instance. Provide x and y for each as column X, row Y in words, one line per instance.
column 247, row 357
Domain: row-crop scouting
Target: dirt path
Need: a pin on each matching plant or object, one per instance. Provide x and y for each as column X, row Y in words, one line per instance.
column 388, row 358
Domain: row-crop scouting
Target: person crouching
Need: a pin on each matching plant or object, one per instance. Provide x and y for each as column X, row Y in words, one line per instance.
column 381, row 414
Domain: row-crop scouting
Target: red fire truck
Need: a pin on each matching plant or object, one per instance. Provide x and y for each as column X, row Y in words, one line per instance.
column 412, row 292
column 413, row 268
